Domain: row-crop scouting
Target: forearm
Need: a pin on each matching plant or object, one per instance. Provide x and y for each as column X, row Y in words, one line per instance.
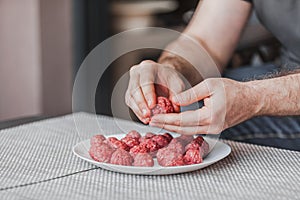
column 277, row 96
column 216, row 27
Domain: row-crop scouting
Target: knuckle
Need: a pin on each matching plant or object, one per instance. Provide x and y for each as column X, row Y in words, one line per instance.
column 140, row 104
column 179, row 129
column 214, row 130
column 181, row 85
column 127, row 100
column 149, row 96
column 128, row 94
column 207, row 120
column 177, row 122
column 147, row 62
column 198, row 116
column 205, row 131
column 187, row 97
column 147, row 85
column 132, row 70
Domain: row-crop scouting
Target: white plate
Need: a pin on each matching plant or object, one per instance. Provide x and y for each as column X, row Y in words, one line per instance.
column 219, row 151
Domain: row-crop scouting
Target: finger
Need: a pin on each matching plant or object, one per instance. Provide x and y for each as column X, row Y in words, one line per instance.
column 176, row 108
column 187, row 118
column 190, row 130
column 175, row 84
column 148, row 89
column 140, row 101
column 136, row 94
column 192, row 95
column 138, row 112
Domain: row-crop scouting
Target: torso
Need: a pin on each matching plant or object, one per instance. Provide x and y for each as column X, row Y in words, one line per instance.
column 282, row 19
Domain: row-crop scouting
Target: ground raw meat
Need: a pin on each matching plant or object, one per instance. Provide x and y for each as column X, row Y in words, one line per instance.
column 192, row 156
column 161, row 140
column 133, row 134
column 176, row 146
column 199, row 144
column 147, row 136
column 150, row 144
column 163, row 106
column 130, row 142
column 138, row 149
column 168, row 136
column 199, row 139
column 193, row 145
column 205, row 149
column 117, row 144
column 172, row 155
column 169, row 157
column 101, row 153
column 185, row 139
column 96, row 140
column 143, row 160
column 121, row 157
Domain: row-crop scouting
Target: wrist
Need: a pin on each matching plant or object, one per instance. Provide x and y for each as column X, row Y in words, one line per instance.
column 258, row 97
column 169, row 60
column 182, row 66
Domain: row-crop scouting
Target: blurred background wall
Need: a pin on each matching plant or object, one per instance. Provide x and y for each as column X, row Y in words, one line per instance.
column 20, row 59
column 36, row 60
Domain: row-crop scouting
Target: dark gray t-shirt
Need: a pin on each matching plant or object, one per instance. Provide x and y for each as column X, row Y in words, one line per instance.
column 282, row 19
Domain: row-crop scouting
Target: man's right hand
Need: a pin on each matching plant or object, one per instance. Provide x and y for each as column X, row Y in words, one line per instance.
column 148, row 80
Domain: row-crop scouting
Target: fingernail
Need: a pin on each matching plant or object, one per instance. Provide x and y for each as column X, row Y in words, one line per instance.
column 146, row 121
column 144, row 111
column 149, row 103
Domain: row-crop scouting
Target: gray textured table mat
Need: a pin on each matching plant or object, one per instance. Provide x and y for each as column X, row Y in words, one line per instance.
column 42, row 166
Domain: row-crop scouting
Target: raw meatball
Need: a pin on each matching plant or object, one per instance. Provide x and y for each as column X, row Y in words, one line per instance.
column 193, row 145
column 168, row 157
column 143, row 160
column 163, row 106
column 133, row 134
column 117, row 144
column 130, row 142
column 168, row 136
column 147, row 136
column 205, row 149
column 138, row 149
column 176, row 146
column 121, row 157
column 199, row 139
column 150, row 144
column 199, row 144
column 192, row 156
column 161, row 140
column 96, row 140
column 185, row 139
column 101, row 153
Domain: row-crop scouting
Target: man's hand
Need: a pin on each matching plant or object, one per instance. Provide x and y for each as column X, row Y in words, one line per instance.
column 147, row 80
column 226, row 103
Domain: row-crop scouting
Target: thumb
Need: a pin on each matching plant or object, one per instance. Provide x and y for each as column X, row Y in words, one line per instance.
column 196, row 93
